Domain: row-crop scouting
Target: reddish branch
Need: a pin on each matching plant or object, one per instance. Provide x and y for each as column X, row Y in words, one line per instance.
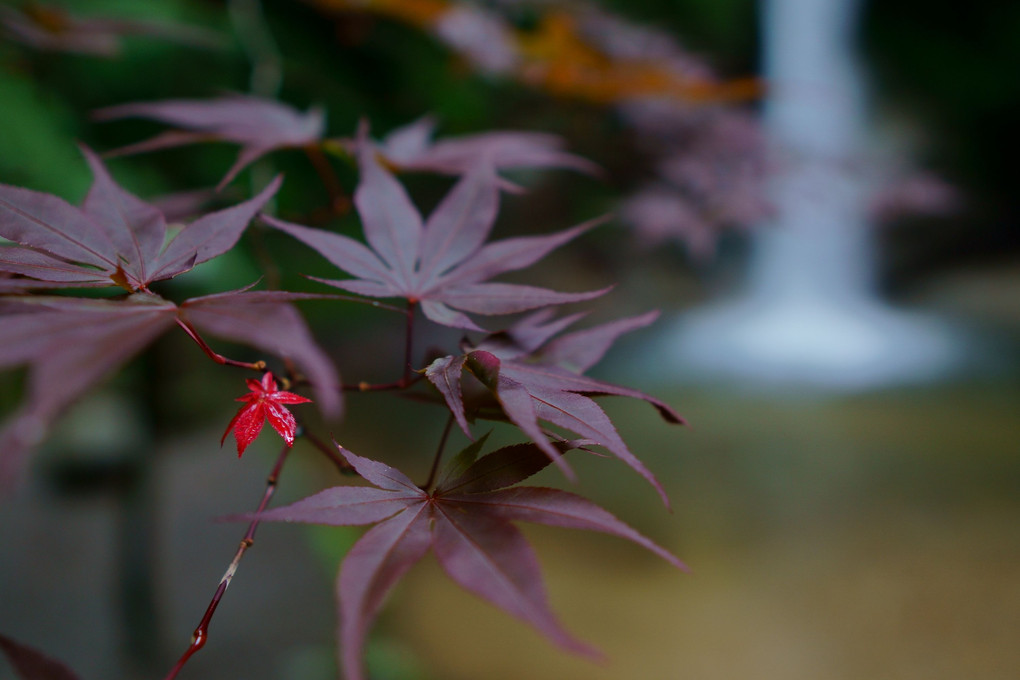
column 268, row 266
column 363, row 386
column 427, row 486
column 201, row 634
column 218, row 358
column 339, row 203
column 327, row 450
column 407, row 379
column 408, row 339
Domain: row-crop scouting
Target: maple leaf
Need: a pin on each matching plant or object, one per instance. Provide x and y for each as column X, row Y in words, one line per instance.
column 71, row 343
column 478, row 36
column 411, row 148
column 114, row 238
column 180, row 206
column 31, row 664
column 440, row 263
column 466, row 521
column 53, row 29
column 659, row 213
column 258, row 125
column 712, row 166
column 265, row 402
column 919, row 194
column 532, row 380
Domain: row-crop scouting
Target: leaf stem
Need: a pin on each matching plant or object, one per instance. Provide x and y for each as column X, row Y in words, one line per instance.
column 439, row 454
column 407, row 379
column 341, row 464
column 201, row 634
column 270, row 270
column 401, row 384
column 339, row 203
column 253, row 31
column 218, row 358
column 409, row 340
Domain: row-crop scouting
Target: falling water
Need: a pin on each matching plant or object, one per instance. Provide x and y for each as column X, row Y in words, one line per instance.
column 811, row 315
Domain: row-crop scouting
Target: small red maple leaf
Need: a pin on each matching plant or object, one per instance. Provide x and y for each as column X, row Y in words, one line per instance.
column 264, row 403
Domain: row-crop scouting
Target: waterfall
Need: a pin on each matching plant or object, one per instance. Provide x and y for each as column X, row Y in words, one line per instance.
column 811, row 315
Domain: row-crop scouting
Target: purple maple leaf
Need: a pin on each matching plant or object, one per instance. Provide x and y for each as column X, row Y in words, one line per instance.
column 71, row 343
column 660, row 213
column 258, row 125
column 440, row 263
column 712, row 166
column 533, row 380
column 31, row 664
column 466, row 521
column 114, row 238
column 920, row 194
column 480, row 36
column 411, row 148
column 53, row 29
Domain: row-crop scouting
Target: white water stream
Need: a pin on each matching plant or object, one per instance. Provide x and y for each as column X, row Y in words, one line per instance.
column 810, row 314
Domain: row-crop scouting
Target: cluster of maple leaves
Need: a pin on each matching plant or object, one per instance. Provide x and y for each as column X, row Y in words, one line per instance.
column 441, row 264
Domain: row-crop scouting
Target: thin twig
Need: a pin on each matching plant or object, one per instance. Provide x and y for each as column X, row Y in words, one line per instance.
column 218, row 358
column 408, row 378
column 339, row 203
column 363, row 386
column 439, row 454
column 201, row 634
column 334, row 457
column 270, row 270
column 409, row 339
column 252, row 30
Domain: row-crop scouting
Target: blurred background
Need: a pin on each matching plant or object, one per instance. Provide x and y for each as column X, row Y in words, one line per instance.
column 848, row 492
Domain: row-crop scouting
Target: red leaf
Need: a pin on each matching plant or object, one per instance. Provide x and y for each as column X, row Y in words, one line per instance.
column 265, row 402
